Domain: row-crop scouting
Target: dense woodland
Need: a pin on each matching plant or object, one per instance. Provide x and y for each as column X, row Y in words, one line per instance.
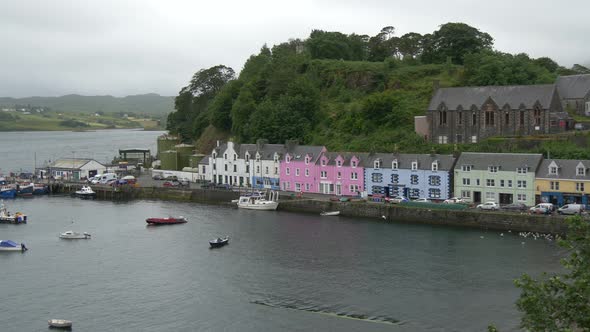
column 356, row 92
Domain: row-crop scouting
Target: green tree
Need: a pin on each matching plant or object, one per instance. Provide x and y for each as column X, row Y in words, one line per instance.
column 410, row 44
column 221, row 106
column 561, row 302
column 454, row 40
column 241, row 112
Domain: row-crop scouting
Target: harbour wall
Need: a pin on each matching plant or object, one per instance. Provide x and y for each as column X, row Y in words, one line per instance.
column 502, row 221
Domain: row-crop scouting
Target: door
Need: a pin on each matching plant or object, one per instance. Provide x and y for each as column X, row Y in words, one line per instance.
column 477, row 197
column 338, row 189
column 506, row 198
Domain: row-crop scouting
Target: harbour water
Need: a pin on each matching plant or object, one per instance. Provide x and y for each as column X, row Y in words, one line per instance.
column 22, row 151
column 280, row 272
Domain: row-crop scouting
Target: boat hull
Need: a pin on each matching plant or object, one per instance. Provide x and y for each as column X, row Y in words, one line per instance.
column 331, row 213
column 75, row 236
column 8, row 193
column 218, row 244
column 25, row 190
column 165, row 221
column 270, row 206
column 60, row 323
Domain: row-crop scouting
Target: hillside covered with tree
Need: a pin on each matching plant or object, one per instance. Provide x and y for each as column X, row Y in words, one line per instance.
column 348, row 92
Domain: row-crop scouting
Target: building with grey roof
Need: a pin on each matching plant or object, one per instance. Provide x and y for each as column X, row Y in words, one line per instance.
column 563, row 181
column 574, row 91
column 470, row 114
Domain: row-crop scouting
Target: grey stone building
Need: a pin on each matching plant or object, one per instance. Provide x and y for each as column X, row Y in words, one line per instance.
column 574, row 91
column 470, row 114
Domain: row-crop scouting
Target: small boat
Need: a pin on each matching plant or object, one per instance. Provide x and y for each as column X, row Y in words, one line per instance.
column 74, row 235
column 6, row 217
column 40, row 189
column 8, row 245
column 25, row 190
column 219, row 242
column 330, row 213
column 60, row 323
column 166, row 221
column 7, row 192
column 259, row 201
column 85, row 192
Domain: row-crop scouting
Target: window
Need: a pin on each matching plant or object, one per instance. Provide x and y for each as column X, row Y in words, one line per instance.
column 414, row 179
column 214, row 166
column 247, row 168
column 489, row 118
column 493, row 169
column 307, row 187
column 225, row 167
column 394, row 164
column 477, row 182
column 339, row 163
column 554, row 185
column 214, row 155
column 460, row 118
column 354, row 176
column 257, row 169
column 501, row 183
column 442, row 118
column 587, row 107
column 288, row 185
column 204, row 170
column 473, row 139
column 580, row 171
column 323, row 174
column 247, row 158
column 490, row 183
column 306, row 160
column 435, row 166
column 509, row 183
column 353, row 163
column 276, row 170
column 414, row 165
column 287, row 170
column 235, row 168
column 377, row 164
column 521, row 197
column 306, row 172
column 323, row 162
column 297, row 186
column 376, row 177
column 459, row 138
column 434, row 180
column 553, row 170
column 395, row 178
column 580, row 186
column 521, row 170
column 257, row 156
column 443, row 139
column 225, row 156
column 414, row 193
column 465, row 194
column 466, row 168
column 521, row 120
column 466, row 182
column 434, row 193
column 507, row 118
column 297, row 172
column 521, row 184
column 339, row 175
column 490, row 196
column 537, row 115
column 473, row 119
column 266, row 170
column 354, row 188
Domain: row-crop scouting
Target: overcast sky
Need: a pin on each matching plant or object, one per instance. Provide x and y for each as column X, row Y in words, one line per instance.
column 123, row 47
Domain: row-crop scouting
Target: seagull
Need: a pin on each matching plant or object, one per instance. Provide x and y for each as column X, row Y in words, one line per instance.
column 501, row 234
column 384, row 217
column 481, row 237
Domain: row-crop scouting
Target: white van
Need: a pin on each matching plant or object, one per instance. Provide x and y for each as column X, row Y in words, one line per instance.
column 104, row 178
column 542, row 208
column 571, row 209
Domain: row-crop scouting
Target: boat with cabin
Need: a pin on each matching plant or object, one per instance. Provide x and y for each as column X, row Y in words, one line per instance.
column 7, row 217
column 166, row 221
column 9, row 245
column 74, row 235
column 40, row 189
column 7, row 192
column 219, row 242
column 60, row 323
column 259, row 201
column 85, row 192
column 25, row 190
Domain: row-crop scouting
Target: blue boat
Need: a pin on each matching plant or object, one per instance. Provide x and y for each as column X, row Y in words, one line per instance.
column 25, row 190
column 7, row 192
column 40, row 189
column 8, row 245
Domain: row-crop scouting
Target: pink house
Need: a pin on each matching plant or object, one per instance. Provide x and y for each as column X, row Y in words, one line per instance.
column 340, row 173
column 298, row 168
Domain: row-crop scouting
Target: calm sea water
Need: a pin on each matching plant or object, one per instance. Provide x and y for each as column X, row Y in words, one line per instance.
column 280, row 272
column 19, row 148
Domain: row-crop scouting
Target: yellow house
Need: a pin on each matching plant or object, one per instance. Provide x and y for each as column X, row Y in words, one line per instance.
column 563, row 181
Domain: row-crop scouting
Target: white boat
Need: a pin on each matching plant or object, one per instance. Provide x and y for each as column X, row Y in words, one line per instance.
column 74, row 235
column 8, row 245
column 85, row 191
column 60, row 323
column 6, row 217
column 259, row 201
column 330, row 213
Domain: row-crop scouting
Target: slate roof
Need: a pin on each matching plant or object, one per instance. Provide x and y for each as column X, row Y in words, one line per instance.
column 70, row 163
column 513, row 95
column 566, row 169
column 347, row 157
column 266, row 153
column 298, row 152
column 404, row 160
column 573, row 86
column 506, row 161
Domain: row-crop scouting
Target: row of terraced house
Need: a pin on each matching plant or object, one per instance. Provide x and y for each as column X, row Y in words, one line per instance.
column 503, row 178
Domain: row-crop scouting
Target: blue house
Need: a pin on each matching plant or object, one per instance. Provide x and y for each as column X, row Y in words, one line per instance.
column 409, row 175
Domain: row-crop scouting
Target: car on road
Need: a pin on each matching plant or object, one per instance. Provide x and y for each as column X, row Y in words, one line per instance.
column 171, row 178
column 515, row 207
column 493, row 206
column 571, row 209
column 157, row 176
column 184, row 181
column 398, row 199
column 171, row 184
column 421, row 200
column 454, row 200
column 542, row 208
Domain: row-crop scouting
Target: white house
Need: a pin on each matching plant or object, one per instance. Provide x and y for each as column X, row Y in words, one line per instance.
column 75, row 168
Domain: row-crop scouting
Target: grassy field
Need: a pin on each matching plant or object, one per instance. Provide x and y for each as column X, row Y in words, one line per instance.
column 49, row 121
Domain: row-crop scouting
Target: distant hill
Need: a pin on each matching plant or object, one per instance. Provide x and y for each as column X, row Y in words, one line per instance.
column 149, row 104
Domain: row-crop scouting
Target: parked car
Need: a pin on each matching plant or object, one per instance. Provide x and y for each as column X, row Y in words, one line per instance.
column 171, row 184
column 515, row 207
column 488, row 206
column 208, row 185
column 157, row 176
column 223, row 186
column 454, row 200
column 171, row 178
column 421, row 200
column 542, row 208
column 184, row 181
column 571, row 209
column 398, row 199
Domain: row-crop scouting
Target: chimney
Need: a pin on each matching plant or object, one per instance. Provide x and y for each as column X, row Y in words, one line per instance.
column 217, row 143
column 435, row 85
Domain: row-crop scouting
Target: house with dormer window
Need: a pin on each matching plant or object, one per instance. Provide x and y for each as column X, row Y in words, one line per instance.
column 298, row 171
column 563, row 181
column 503, row 178
column 409, row 175
column 341, row 173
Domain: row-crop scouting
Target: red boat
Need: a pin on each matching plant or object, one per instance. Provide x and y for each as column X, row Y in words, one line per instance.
column 166, row 221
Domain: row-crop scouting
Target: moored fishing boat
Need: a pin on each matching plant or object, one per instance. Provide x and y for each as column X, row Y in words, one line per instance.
column 259, row 201
column 9, row 245
column 60, row 323
column 7, row 217
column 7, row 192
column 25, row 190
column 166, row 221
column 40, row 189
column 85, row 192
column 74, row 235
column 219, row 242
